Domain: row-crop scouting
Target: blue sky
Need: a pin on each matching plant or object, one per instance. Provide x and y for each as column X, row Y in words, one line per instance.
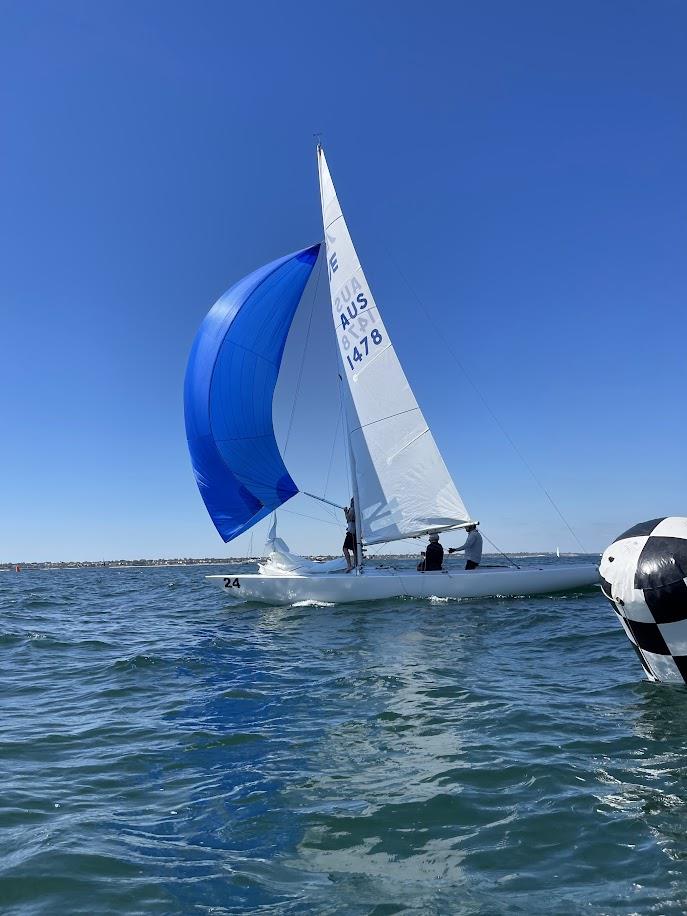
column 521, row 167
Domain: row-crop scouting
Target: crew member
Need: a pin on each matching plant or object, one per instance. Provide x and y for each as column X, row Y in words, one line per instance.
column 433, row 557
column 349, row 543
column 472, row 548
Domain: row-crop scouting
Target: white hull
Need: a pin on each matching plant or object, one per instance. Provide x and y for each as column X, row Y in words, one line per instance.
column 377, row 584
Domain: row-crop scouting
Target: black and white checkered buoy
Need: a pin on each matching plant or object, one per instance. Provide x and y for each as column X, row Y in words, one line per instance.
column 644, row 576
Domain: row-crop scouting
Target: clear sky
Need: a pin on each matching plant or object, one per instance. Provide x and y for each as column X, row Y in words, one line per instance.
column 521, row 166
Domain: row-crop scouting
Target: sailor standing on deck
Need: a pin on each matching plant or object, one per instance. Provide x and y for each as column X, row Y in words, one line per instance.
column 349, row 543
column 472, row 548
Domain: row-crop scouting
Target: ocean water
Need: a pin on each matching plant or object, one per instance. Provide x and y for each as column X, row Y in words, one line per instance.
column 163, row 752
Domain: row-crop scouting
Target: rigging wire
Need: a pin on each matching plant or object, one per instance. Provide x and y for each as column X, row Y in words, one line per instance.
column 485, row 403
column 510, row 559
column 298, row 387
column 326, row 508
column 330, row 512
column 321, row 502
column 311, row 517
column 347, row 446
column 331, row 455
column 305, row 350
column 297, row 393
column 299, row 380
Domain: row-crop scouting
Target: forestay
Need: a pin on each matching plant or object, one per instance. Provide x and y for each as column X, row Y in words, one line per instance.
column 230, row 381
column 404, row 487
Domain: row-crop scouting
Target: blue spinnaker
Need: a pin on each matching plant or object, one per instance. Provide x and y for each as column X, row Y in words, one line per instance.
column 230, row 380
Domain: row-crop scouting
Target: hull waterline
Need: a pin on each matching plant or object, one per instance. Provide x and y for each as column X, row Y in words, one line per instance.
column 375, row 585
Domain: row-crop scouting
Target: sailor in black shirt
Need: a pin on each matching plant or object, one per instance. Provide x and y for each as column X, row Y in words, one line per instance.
column 433, row 556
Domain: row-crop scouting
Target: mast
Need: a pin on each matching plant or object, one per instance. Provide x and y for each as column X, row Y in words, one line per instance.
column 354, row 485
column 351, row 457
column 359, row 556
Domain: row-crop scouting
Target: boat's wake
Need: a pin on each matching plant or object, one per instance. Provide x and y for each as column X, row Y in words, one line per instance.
column 310, row 602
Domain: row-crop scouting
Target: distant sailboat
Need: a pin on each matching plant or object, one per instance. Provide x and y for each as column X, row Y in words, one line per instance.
column 401, row 485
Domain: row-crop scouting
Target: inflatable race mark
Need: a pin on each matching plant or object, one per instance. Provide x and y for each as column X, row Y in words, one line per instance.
column 644, row 576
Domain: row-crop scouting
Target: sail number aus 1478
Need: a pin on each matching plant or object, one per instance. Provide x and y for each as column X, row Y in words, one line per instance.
column 360, row 352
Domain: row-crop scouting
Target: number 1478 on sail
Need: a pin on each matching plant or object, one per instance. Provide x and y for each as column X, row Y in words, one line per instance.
column 358, row 355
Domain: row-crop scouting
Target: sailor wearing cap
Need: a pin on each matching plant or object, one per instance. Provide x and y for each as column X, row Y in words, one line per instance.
column 433, row 557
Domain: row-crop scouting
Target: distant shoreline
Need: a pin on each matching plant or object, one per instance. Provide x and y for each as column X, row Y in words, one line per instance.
column 124, row 564
column 216, row 561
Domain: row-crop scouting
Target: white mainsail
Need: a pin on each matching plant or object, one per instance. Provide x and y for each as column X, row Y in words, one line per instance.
column 404, row 488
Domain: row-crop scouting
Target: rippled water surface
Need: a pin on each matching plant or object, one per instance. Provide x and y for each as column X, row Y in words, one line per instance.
column 163, row 752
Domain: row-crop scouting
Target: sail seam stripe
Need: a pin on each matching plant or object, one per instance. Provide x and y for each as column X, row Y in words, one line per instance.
column 271, row 362
column 356, row 270
column 374, row 359
column 362, row 314
column 257, row 481
column 243, row 438
column 340, row 216
column 381, row 419
column 408, row 444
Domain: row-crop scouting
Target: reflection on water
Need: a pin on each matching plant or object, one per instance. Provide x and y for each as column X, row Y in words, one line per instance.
column 166, row 753
column 647, row 779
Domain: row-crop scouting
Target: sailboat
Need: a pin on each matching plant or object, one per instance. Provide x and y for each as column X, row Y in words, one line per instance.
column 399, row 480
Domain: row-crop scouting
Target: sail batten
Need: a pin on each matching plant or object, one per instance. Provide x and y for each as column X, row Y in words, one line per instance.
column 404, row 488
column 230, row 380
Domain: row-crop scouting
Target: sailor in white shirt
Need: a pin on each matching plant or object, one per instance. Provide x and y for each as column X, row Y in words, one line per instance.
column 472, row 548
